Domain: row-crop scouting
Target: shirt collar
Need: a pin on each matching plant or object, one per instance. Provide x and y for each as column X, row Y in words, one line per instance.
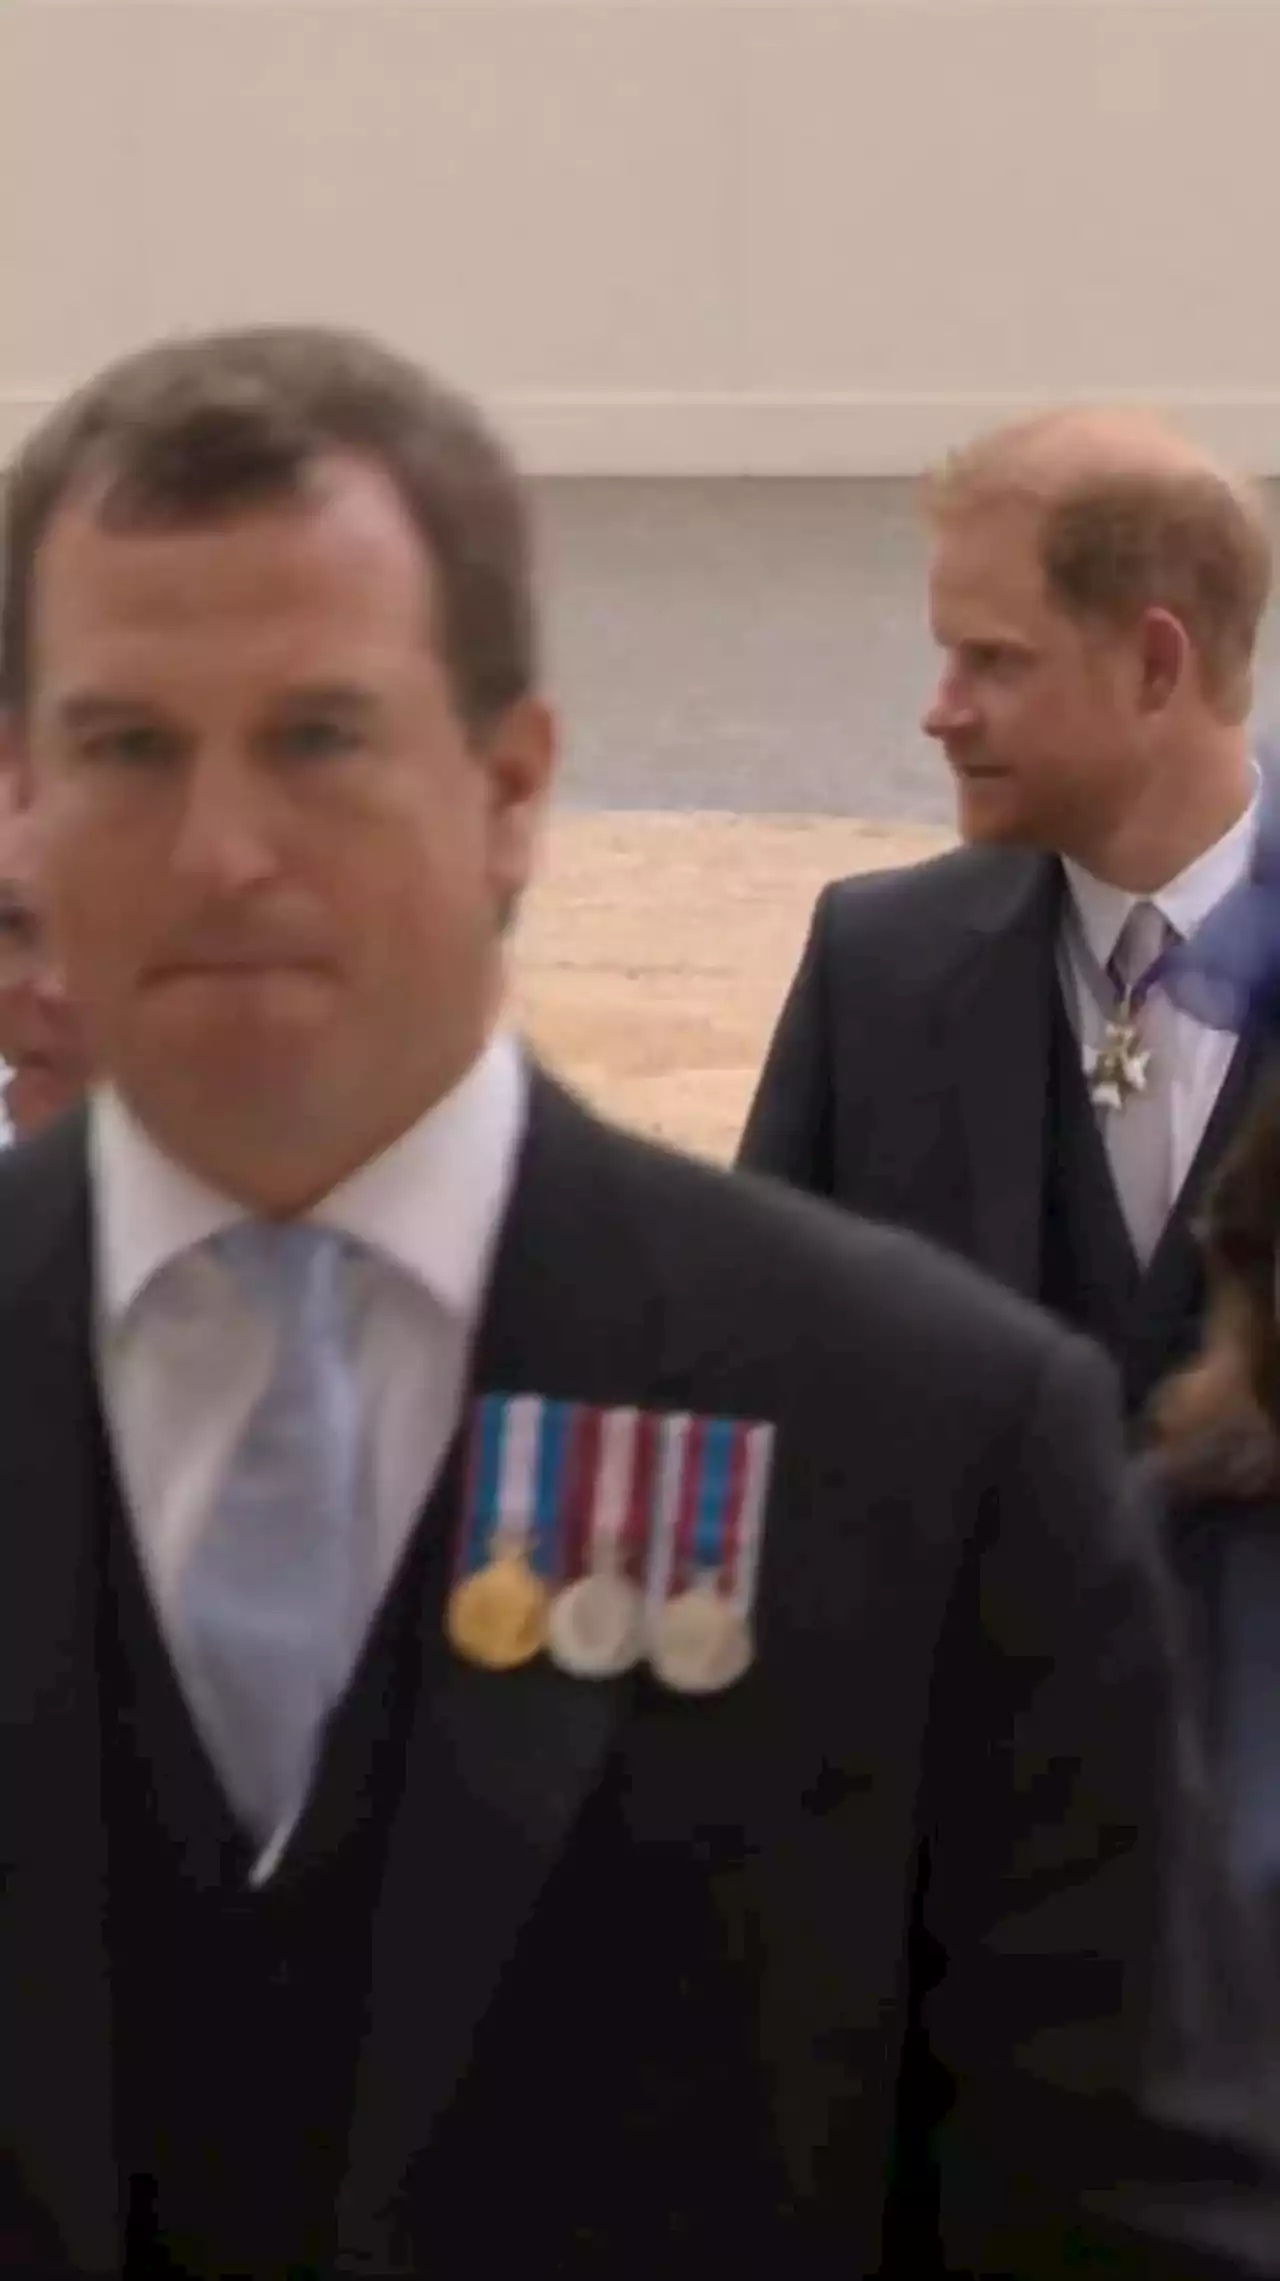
column 431, row 1204
column 1185, row 902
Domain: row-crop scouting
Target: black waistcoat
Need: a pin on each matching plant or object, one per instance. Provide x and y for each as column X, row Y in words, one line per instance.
column 1148, row 1320
column 239, row 2012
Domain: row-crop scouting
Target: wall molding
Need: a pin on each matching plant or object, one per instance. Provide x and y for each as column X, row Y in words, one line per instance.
column 718, row 10
column 751, row 433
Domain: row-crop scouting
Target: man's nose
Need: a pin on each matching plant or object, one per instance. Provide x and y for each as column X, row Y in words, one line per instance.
column 949, row 710
column 49, row 984
column 224, row 837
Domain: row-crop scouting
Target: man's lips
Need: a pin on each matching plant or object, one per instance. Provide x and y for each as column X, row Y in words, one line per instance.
column 181, row 969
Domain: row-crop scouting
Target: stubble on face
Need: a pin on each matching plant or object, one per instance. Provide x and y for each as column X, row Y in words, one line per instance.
column 1026, row 711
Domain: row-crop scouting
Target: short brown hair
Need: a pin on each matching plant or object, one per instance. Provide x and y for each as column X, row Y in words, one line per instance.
column 1156, row 526
column 192, row 430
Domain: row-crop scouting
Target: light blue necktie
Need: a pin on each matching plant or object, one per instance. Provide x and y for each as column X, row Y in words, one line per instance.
column 271, row 1602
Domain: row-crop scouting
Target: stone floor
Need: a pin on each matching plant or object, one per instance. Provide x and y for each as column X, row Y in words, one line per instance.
column 654, row 953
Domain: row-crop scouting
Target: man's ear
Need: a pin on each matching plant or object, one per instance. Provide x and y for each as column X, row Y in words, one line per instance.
column 1164, row 659
column 520, row 757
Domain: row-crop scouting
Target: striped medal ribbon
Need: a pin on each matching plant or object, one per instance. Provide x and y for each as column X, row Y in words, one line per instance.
column 607, row 1536
column 710, row 1520
column 597, row 1619
column 499, row 1607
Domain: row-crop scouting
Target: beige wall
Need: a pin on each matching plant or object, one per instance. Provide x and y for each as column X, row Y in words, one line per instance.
column 667, row 234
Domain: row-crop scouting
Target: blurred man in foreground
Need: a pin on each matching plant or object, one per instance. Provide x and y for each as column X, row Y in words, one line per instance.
column 980, row 1047
column 560, row 1713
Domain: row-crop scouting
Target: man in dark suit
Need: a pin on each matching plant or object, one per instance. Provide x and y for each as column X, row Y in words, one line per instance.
column 557, row 1710
column 1096, row 589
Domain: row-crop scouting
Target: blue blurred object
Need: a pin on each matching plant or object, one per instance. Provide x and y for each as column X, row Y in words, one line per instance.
column 1228, row 974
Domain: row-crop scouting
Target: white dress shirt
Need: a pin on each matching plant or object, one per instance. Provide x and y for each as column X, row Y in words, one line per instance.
column 183, row 1356
column 1201, row 1056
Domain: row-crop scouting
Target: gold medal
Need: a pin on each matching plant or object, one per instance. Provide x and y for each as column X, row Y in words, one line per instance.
column 498, row 1617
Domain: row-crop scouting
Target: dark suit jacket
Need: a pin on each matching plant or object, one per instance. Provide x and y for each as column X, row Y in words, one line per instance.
column 1199, row 1526
column 1224, row 1555
column 908, row 1078
column 854, row 1968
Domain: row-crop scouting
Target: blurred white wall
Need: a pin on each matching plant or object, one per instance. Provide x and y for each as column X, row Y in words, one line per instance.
column 667, row 235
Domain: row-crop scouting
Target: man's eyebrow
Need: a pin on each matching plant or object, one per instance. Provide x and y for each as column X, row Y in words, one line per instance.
column 325, row 696
column 89, row 709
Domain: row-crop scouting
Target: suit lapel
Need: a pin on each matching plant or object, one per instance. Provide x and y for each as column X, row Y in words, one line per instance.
column 55, row 2055
column 500, row 1765
column 997, row 1020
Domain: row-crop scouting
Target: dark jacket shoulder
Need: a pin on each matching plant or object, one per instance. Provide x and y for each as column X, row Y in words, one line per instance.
column 762, row 1268
column 863, row 1013
column 966, row 887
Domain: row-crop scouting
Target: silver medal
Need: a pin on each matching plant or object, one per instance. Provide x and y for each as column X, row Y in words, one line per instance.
column 596, row 1629
column 1119, row 1068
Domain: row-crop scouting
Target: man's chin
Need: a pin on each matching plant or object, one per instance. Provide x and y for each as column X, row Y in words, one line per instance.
column 990, row 814
column 248, row 1023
